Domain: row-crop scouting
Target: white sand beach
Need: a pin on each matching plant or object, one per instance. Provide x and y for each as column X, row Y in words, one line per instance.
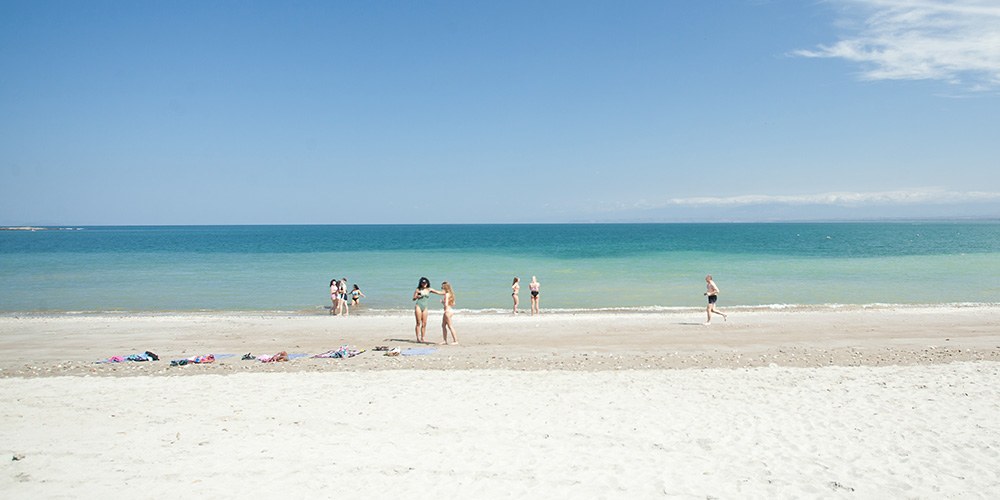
column 856, row 403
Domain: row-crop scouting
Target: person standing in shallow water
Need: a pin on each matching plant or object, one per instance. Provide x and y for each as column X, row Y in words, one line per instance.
column 334, row 296
column 515, row 289
column 713, row 296
column 535, row 288
column 356, row 295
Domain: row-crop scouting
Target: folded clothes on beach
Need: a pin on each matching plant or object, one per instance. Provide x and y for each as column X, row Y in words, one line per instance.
column 343, row 352
column 146, row 356
column 193, row 360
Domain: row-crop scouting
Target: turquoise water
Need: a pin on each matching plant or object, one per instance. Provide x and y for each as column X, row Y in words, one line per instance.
column 580, row 266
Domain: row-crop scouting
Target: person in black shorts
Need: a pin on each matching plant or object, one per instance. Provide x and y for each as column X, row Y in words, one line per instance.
column 713, row 296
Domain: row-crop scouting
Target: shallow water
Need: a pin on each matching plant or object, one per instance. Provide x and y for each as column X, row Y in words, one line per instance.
column 580, row 266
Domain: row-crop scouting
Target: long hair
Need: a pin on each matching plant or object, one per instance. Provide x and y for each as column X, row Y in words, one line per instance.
column 423, row 283
column 451, row 292
column 516, row 279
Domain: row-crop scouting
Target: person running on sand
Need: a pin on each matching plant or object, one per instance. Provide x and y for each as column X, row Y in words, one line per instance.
column 420, row 296
column 535, row 288
column 713, row 296
column 515, row 289
column 449, row 305
column 356, row 295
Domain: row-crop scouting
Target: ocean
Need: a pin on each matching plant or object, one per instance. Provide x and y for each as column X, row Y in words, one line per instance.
column 581, row 267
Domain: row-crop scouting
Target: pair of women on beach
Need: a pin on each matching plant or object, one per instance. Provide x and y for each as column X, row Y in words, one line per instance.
column 535, row 288
column 421, row 296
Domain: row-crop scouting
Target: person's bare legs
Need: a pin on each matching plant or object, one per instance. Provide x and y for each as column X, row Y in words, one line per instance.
column 710, row 310
column 446, row 325
column 417, row 315
column 423, row 327
column 515, row 303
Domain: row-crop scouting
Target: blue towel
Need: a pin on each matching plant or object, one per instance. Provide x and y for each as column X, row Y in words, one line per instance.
column 418, row 351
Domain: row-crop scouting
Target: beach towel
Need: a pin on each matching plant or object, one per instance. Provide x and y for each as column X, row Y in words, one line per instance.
column 194, row 360
column 281, row 356
column 146, row 356
column 343, row 352
column 418, row 351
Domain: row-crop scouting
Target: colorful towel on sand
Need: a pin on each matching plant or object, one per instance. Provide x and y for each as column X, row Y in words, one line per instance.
column 194, row 360
column 418, row 351
column 146, row 356
column 343, row 352
column 281, row 356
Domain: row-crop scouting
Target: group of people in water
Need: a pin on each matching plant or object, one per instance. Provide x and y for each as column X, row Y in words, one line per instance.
column 342, row 298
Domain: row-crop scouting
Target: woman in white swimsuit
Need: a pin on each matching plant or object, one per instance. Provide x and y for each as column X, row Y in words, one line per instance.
column 515, row 288
column 334, row 296
column 449, row 305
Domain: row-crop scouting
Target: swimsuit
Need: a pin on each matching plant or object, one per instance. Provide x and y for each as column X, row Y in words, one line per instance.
column 422, row 300
column 534, row 289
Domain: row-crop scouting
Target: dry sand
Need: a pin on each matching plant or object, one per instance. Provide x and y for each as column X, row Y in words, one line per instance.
column 563, row 405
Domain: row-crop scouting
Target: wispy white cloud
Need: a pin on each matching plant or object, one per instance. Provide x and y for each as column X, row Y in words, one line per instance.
column 957, row 41
column 914, row 197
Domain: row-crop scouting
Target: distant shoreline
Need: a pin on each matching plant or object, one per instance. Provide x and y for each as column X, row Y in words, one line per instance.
column 848, row 220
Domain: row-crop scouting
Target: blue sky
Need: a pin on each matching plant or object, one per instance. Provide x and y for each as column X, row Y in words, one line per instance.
column 452, row 112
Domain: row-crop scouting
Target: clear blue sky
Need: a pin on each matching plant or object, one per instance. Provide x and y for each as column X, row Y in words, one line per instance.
column 240, row 112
